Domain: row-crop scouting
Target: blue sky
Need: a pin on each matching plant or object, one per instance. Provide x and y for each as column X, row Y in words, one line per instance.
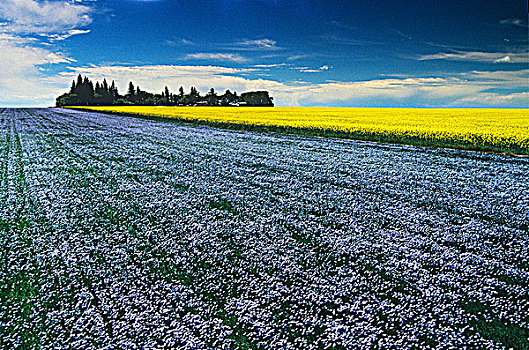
column 306, row 53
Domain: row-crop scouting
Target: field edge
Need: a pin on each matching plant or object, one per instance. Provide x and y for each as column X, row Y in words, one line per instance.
column 329, row 133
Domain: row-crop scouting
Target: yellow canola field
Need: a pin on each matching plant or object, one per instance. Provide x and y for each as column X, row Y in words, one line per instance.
column 493, row 129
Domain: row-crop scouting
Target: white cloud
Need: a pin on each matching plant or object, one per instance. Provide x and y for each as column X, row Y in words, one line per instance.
column 297, row 57
column 275, row 65
column 15, row 40
column 514, row 22
column 30, row 16
column 401, row 91
column 227, row 57
column 179, row 42
column 154, row 78
column 19, row 68
column 259, row 44
column 476, row 56
column 66, row 35
column 156, row 72
column 17, row 59
column 520, row 99
column 309, row 70
column 505, row 59
column 28, row 29
column 468, row 89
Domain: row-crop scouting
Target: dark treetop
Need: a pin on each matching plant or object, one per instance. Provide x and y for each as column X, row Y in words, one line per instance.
column 85, row 93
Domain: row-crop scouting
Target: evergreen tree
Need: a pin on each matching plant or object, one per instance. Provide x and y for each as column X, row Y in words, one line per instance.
column 114, row 90
column 131, row 89
column 83, row 92
column 90, row 91
column 193, row 97
column 212, row 98
column 79, row 82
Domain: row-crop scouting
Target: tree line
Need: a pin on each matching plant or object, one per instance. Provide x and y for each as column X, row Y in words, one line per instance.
column 84, row 93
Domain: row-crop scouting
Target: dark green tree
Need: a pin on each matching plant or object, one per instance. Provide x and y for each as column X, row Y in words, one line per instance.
column 131, row 91
column 228, row 98
column 83, row 92
column 257, row 98
column 212, row 98
column 79, row 82
column 114, row 90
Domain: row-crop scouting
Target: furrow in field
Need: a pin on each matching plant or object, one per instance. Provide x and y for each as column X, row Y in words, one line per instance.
column 78, row 171
column 380, row 195
column 446, row 206
column 6, row 143
column 242, row 155
column 20, row 294
column 378, row 192
column 149, row 231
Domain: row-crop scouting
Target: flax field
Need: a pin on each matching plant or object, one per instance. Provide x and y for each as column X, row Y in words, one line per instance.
column 129, row 233
column 496, row 130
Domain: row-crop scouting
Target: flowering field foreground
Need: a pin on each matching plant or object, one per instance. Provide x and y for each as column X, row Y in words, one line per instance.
column 497, row 130
column 126, row 233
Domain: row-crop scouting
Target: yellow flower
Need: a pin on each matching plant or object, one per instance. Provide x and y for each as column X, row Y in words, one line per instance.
column 493, row 129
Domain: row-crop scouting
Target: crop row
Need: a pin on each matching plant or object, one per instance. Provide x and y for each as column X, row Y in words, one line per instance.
column 128, row 233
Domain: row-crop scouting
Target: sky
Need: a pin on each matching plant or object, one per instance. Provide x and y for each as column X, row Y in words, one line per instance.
column 420, row 53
